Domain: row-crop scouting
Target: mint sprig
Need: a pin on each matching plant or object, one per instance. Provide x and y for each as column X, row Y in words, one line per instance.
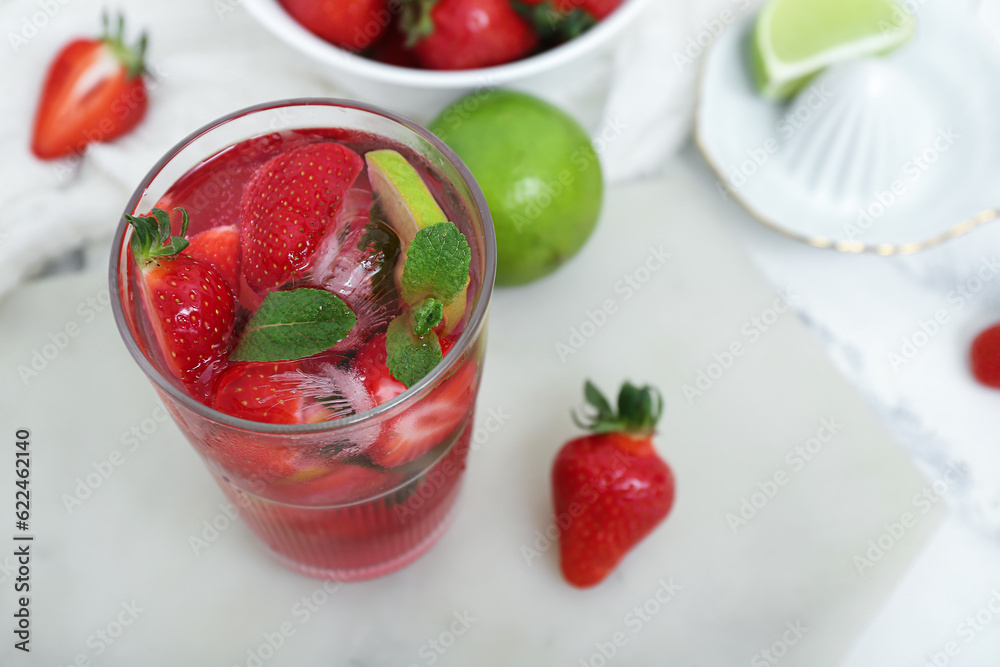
column 293, row 324
column 437, row 264
column 435, row 273
column 409, row 356
column 427, row 315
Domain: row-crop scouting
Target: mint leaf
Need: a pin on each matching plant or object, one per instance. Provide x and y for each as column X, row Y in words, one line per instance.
column 409, row 356
column 437, row 264
column 294, row 324
column 427, row 315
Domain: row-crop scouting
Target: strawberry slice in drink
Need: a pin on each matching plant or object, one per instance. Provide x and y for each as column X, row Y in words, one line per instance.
column 220, row 247
column 426, row 424
column 287, row 392
column 288, row 207
column 268, row 392
column 191, row 308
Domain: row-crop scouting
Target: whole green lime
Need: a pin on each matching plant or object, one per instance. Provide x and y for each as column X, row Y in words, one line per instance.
column 539, row 172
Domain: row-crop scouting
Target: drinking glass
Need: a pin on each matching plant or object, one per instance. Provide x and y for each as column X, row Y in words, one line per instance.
column 330, row 530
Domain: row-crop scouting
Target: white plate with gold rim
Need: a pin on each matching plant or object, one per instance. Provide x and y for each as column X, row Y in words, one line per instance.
column 887, row 155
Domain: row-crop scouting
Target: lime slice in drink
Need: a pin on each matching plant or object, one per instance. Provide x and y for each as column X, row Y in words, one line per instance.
column 409, row 206
column 401, row 194
column 794, row 40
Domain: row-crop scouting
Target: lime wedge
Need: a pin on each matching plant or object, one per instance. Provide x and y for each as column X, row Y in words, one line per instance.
column 402, row 195
column 794, row 40
column 409, row 207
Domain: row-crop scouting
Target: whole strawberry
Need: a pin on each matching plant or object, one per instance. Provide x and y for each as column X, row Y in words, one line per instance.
column 466, row 34
column 350, row 24
column 612, row 484
column 94, row 91
column 190, row 305
column 984, row 357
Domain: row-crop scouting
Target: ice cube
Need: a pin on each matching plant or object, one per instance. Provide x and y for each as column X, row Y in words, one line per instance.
column 341, row 392
column 362, row 275
column 350, row 220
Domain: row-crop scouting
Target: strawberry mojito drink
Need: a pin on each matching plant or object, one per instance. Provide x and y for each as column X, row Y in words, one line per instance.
column 306, row 284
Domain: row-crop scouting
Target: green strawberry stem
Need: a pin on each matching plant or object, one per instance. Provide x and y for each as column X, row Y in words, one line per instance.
column 151, row 239
column 415, row 20
column 551, row 24
column 134, row 58
column 639, row 409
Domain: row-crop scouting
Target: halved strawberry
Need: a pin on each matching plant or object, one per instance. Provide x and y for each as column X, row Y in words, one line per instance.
column 423, row 425
column 370, row 365
column 245, row 457
column 220, row 247
column 191, row 308
column 287, row 208
column 94, row 91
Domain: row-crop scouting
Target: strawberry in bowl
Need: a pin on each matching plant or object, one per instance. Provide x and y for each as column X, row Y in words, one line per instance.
column 354, row 25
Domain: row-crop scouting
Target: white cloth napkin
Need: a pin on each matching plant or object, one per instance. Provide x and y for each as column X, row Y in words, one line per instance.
column 653, row 93
column 210, row 58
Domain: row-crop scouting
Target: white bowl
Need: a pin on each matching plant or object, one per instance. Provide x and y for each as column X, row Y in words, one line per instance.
column 422, row 94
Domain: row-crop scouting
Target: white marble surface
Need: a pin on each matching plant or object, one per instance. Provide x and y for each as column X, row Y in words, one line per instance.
column 862, row 308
